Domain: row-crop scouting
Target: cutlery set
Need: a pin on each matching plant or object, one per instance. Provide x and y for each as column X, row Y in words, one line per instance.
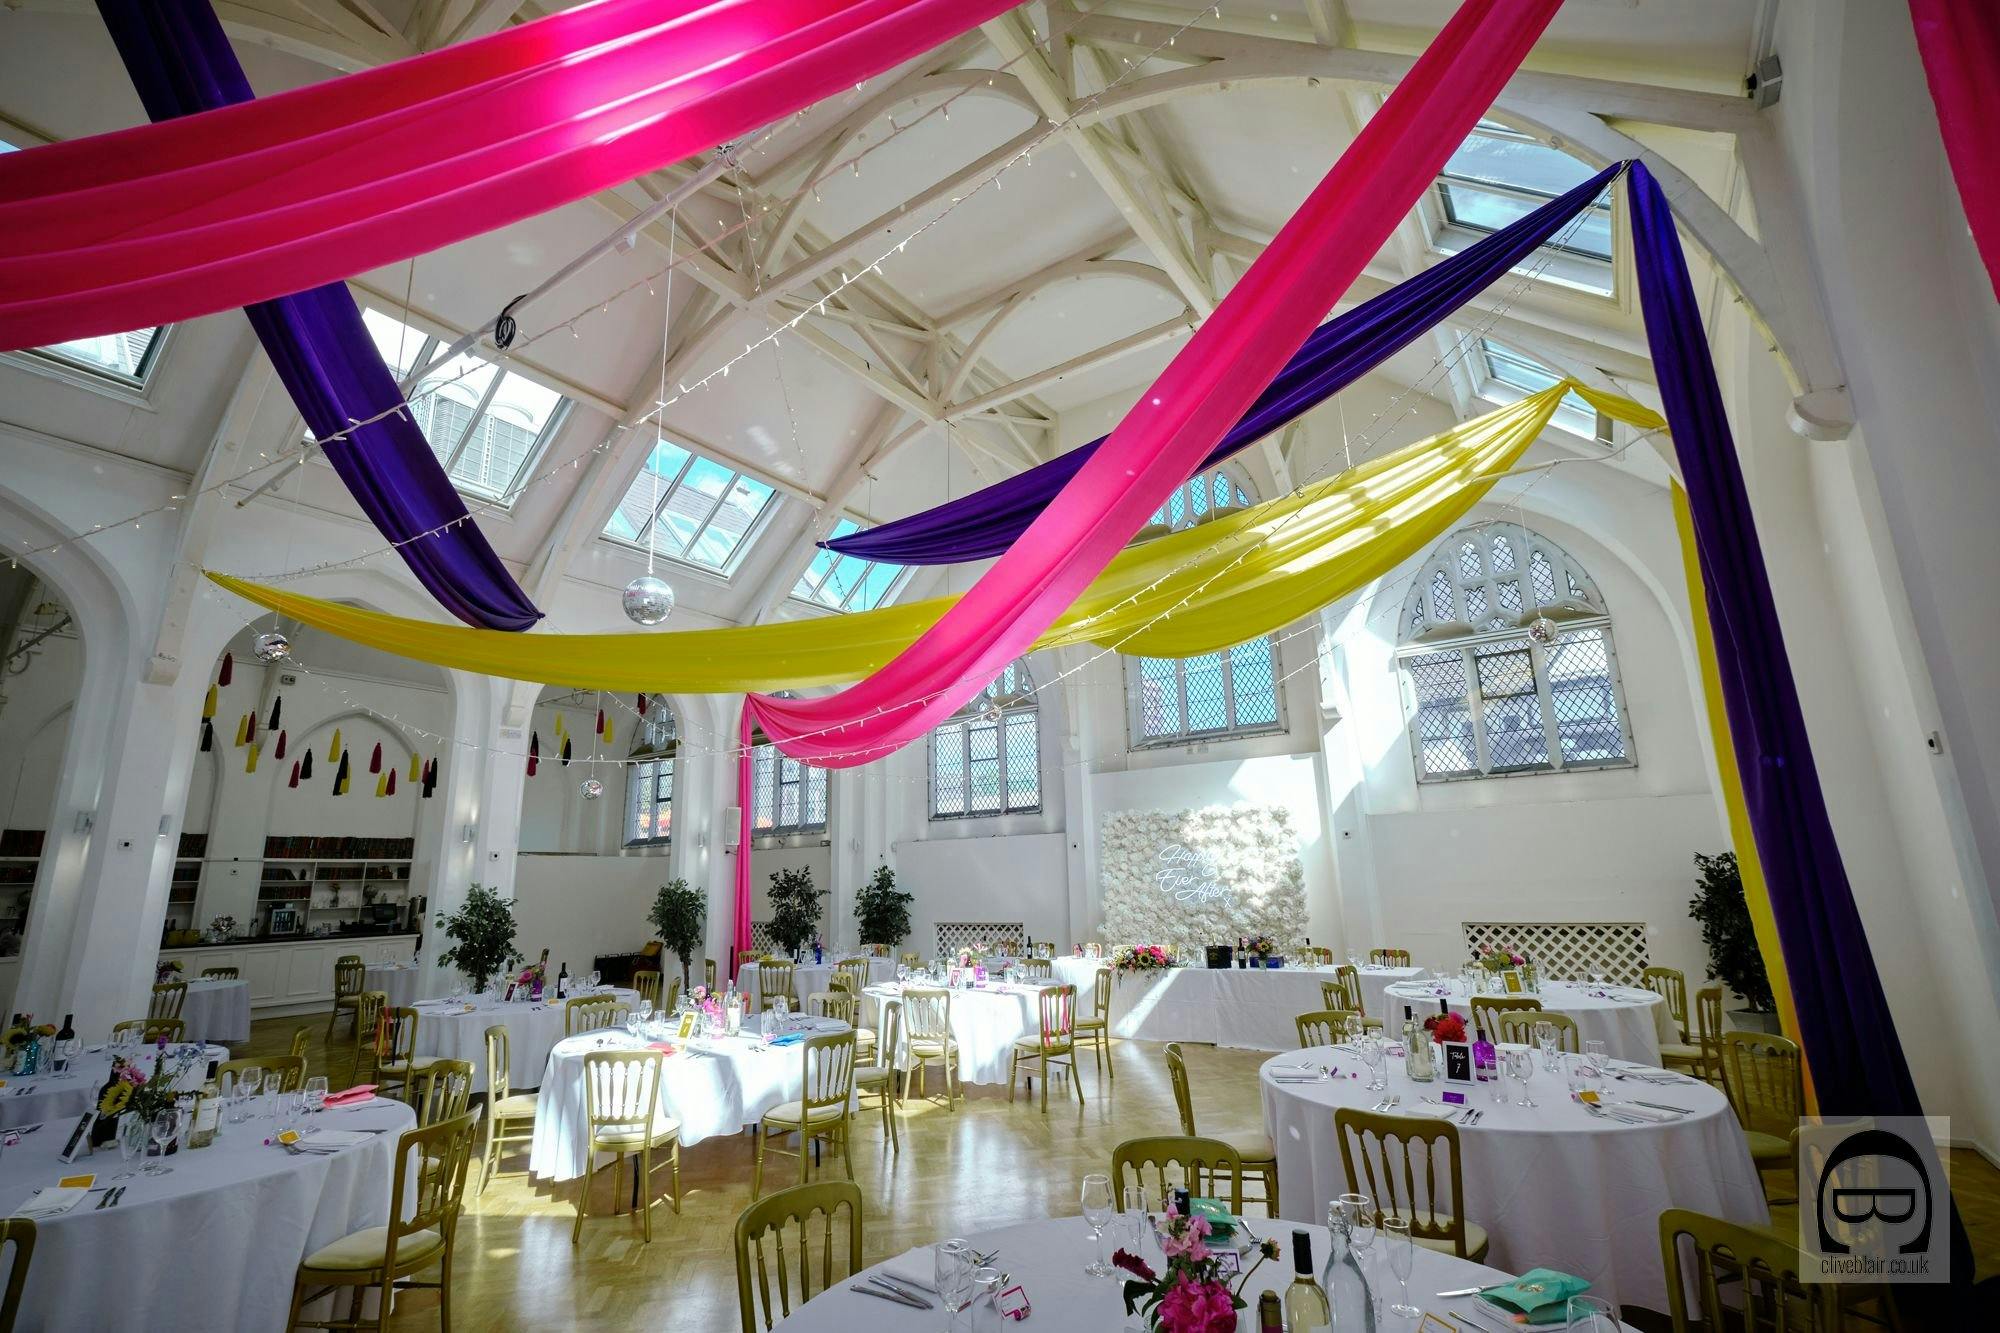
column 112, row 1198
column 1460, row 1115
column 1387, row 1103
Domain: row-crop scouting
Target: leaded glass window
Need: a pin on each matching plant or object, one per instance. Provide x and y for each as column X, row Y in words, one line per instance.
column 789, row 796
column 649, row 780
column 987, row 760
column 1175, row 700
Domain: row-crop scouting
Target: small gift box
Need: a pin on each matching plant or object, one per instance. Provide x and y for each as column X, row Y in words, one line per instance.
column 1538, row 1297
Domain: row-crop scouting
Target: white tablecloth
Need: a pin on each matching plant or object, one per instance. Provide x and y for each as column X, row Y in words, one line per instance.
column 810, row 977
column 217, row 1010
column 458, row 1032
column 398, row 981
column 1047, row 1258
column 987, row 1022
column 44, row 1097
column 712, row 1086
column 1555, row 1186
column 1377, row 980
column 1250, row 1007
column 215, row 1244
column 1082, row 974
column 1631, row 1021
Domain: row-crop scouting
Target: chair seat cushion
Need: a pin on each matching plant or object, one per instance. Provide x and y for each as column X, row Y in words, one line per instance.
column 1250, row 1145
column 1091, row 1025
column 1476, row 1240
column 869, row 1076
column 628, row 1138
column 1031, row 1046
column 1675, row 1051
column 403, row 1068
column 789, row 1113
column 1768, row 1147
column 928, row 1048
column 362, row 1250
column 520, row 1106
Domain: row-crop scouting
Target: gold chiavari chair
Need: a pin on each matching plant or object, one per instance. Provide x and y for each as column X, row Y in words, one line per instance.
column 1731, row 1268
column 845, row 1005
column 18, row 1232
column 1323, row 1027
column 367, row 1033
column 1094, row 1028
column 1391, row 1157
column 1703, row 1056
column 441, row 1090
column 1518, row 1026
column 877, row 1079
column 821, row 1111
column 911, row 958
column 647, row 983
column 350, row 976
column 1761, row 1074
column 1671, row 985
column 927, row 1036
column 592, row 1013
column 1389, row 957
column 763, row 1224
column 1344, row 991
column 745, row 956
column 1178, row 1161
column 669, row 997
column 1055, row 1044
column 510, row 1115
column 167, row 999
column 854, row 971
column 396, row 1058
column 151, row 1030
column 301, row 1038
column 1487, row 1009
column 1322, row 957
column 774, row 978
column 622, row 1106
column 222, row 974
column 278, row 1073
column 423, row 1230
column 1036, row 969
column 1253, row 1149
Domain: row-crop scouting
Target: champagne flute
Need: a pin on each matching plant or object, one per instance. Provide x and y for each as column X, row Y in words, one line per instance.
column 161, row 1129
column 1097, row 1205
column 316, row 1093
column 1590, row 1314
column 1523, row 1065
column 1137, row 1216
column 1402, row 1251
column 132, row 1132
column 954, row 1278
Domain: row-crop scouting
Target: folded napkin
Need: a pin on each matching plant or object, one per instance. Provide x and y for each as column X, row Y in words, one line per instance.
column 1633, row 1111
column 52, row 1201
column 332, row 1140
column 1431, row 1109
column 1537, row 1297
column 362, row 1092
column 666, row 1046
column 916, row 1270
column 789, row 1039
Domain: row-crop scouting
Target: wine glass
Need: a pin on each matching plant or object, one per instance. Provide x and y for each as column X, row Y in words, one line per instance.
column 1545, row 1037
column 595, row 977
column 1135, row 1216
column 315, row 1093
column 1402, row 1251
column 162, row 1128
column 1352, row 1029
column 1598, row 1057
column 954, row 1278
column 1590, row 1314
column 1376, row 1052
column 1521, row 1064
column 985, row 1286
column 65, row 1056
column 132, row 1131
column 1097, row 1204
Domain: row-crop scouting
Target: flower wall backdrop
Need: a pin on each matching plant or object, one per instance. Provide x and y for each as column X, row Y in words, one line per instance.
column 1192, row 878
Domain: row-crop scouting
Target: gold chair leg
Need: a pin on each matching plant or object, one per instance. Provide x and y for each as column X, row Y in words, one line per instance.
column 1045, row 1082
column 846, row 1156
column 582, row 1200
column 298, row 1303
column 646, row 1204
column 806, row 1141
column 677, row 1177
column 444, row 1289
column 757, row 1166
column 1075, row 1080
column 1013, row 1074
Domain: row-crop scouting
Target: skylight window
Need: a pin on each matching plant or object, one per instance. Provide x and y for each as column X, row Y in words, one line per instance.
column 486, row 425
column 1517, row 370
column 845, row 582
column 1499, row 176
column 690, row 508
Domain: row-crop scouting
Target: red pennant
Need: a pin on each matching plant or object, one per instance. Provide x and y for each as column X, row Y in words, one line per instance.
column 600, row 721
column 375, row 759
column 279, row 753
column 642, row 705
column 228, row 670
column 249, row 728
column 295, row 768
column 532, row 761
column 392, row 782
column 534, row 745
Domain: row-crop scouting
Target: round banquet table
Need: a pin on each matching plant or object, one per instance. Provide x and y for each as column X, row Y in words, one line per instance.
column 214, row 1244
column 457, row 1031
column 46, row 1099
column 217, row 1010
column 1375, row 983
column 808, row 978
column 1554, row 1185
column 1046, row 1259
column 398, row 981
column 1631, row 1021
column 711, row 1085
column 987, row 1021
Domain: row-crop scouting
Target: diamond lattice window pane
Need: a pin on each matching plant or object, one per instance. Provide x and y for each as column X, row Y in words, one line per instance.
column 1583, row 700
column 1443, row 726
column 1475, row 602
column 1441, row 603
column 1503, row 555
column 1468, row 561
column 1511, row 710
column 1207, row 704
column 1024, row 760
column 948, row 769
column 1542, row 578
column 1251, row 674
column 1160, row 702
column 815, row 784
column 1510, row 595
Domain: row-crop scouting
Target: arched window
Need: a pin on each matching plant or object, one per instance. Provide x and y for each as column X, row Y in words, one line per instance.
column 1483, row 692
column 1176, row 700
column 1200, row 498
column 987, row 759
column 649, row 779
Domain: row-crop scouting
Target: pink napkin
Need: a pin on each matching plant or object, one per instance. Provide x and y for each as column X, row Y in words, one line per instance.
column 359, row 1093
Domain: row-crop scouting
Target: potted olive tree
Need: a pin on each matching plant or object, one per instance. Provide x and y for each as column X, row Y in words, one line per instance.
column 1733, row 956
column 794, row 908
column 482, row 936
column 882, row 910
column 679, row 916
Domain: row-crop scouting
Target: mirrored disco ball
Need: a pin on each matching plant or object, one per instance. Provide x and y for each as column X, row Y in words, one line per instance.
column 273, row 647
column 591, row 789
column 648, row 600
column 1544, row 631
column 992, row 712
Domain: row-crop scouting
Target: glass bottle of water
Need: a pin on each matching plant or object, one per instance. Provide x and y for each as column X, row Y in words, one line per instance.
column 1346, row 1286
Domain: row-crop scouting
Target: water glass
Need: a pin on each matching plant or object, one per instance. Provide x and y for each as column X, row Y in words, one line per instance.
column 161, row 1129
column 315, row 1094
column 1135, row 1217
column 1097, row 1205
column 132, row 1133
column 1402, row 1252
column 1376, row 1052
column 1591, row 1314
column 1521, row 1065
column 1545, row 1037
column 1598, row 1057
column 954, row 1278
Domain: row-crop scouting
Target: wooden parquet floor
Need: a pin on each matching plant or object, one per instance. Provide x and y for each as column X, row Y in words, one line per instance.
column 990, row 1164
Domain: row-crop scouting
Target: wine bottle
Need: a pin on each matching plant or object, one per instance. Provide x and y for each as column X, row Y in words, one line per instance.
column 66, row 1032
column 1270, row 1314
column 1306, row 1308
column 562, row 982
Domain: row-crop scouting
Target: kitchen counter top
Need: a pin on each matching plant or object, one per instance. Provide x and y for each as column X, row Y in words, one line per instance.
column 260, row 941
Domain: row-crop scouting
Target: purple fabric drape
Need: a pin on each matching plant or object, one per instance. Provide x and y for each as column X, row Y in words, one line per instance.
column 1844, row 1020
column 985, row 523
column 181, row 62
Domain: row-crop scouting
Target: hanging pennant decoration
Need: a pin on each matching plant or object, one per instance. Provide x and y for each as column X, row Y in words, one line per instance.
column 603, row 725
column 295, row 775
column 534, row 751
column 565, row 752
column 392, row 782
column 243, row 730
column 277, row 712
column 208, row 704
column 249, row 727
column 430, row 777
column 279, row 753
column 250, row 759
column 207, row 736
column 306, row 764
column 375, row 759
column 340, row 778
column 333, row 747
column 642, row 705
column 416, row 766
column 382, row 785
column 227, row 671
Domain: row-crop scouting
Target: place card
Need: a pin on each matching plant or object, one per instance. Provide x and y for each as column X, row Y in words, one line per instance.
column 1454, row 1098
column 1430, row 1323
column 79, row 1138
column 82, row 1182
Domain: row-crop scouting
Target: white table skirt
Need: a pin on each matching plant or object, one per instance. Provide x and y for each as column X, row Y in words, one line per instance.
column 1047, row 1257
column 987, row 1022
column 46, row 1098
column 712, row 1086
column 458, row 1032
column 1555, row 1186
column 215, row 1244
column 398, row 981
column 1249, row 1007
column 1375, row 981
column 1631, row 1021
column 1082, row 974
column 217, row 1010
column 810, row 977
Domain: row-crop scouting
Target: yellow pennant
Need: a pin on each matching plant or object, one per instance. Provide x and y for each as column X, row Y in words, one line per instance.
column 243, row 730
column 333, row 748
column 208, row 704
column 250, row 763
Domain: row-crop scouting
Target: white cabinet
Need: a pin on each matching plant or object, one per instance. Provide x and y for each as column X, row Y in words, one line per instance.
column 263, row 970
column 309, row 972
column 291, row 976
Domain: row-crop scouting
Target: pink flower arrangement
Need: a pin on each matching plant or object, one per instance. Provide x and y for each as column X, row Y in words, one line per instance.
column 1192, row 1296
column 1198, row 1307
column 1445, row 1027
column 1141, row 958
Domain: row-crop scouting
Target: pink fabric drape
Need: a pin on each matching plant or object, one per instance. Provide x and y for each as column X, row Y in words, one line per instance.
column 1199, row 396
column 163, row 222
column 744, row 814
column 1960, row 44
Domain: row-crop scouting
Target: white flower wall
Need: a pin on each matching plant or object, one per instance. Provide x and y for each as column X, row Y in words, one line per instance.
column 1198, row 877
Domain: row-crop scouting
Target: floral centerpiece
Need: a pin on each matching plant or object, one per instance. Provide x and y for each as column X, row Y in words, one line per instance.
column 1193, row 1295
column 1263, row 946
column 1445, row 1027
column 24, row 1044
column 1140, row 958
column 166, row 972
column 221, row 928
column 975, row 952
column 532, row 978
column 1502, row 960
column 132, row 1090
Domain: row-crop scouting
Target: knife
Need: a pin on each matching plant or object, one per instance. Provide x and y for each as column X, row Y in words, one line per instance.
column 1460, row 1291
column 1657, row 1106
column 890, row 1296
column 904, row 1292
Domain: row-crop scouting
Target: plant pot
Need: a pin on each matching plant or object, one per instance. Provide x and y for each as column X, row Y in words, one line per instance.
column 1753, row 1020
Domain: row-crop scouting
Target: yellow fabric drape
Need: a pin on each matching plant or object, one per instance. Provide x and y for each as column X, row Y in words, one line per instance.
column 1756, row 895
column 1196, row 591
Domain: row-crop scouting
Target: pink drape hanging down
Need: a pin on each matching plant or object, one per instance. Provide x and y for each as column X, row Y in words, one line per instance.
column 163, row 222
column 1200, row 395
column 1960, row 44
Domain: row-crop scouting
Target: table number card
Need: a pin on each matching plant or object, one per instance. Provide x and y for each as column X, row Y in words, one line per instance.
column 688, row 1021
column 1512, row 980
column 79, row 1138
column 1458, row 1062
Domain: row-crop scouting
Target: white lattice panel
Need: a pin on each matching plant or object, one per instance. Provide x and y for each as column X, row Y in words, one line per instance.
column 955, row 935
column 1567, row 950
column 760, row 937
